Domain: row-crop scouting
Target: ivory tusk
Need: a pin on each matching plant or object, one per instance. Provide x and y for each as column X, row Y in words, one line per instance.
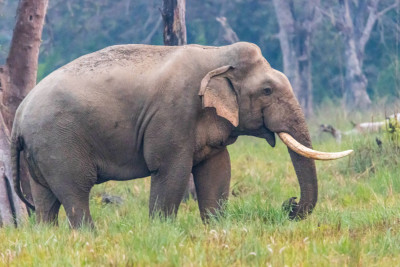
column 310, row 153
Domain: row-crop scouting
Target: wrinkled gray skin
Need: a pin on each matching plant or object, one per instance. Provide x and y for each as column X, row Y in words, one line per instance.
column 130, row 111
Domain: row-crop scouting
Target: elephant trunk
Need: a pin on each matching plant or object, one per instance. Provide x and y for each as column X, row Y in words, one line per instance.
column 305, row 171
column 307, row 177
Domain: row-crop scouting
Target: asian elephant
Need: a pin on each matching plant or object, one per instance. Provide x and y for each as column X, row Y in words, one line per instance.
column 130, row 111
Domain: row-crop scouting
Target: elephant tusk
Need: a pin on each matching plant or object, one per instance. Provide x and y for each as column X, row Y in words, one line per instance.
column 310, row 153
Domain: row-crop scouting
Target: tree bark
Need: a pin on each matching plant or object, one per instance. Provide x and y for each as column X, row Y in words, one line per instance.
column 227, row 34
column 295, row 33
column 17, row 78
column 173, row 14
column 356, row 95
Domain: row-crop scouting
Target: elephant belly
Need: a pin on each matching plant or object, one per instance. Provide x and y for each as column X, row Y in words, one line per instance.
column 122, row 167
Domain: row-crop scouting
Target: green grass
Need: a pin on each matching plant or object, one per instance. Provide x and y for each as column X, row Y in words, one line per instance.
column 356, row 221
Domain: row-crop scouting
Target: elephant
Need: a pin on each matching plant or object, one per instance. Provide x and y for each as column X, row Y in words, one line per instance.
column 132, row 111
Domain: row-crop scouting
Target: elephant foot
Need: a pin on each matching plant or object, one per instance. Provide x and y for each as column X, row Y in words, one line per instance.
column 292, row 207
column 297, row 211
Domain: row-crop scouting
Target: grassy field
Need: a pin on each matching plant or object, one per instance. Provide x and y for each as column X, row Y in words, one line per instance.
column 356, row 221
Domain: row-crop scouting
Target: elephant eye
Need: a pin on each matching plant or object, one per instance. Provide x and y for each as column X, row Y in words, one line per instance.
column 267, row 91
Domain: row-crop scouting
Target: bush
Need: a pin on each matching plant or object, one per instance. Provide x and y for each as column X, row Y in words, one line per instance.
column 392, row 132
column 377, row 151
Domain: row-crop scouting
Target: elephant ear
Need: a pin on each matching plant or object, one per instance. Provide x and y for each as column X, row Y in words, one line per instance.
column 217, row 91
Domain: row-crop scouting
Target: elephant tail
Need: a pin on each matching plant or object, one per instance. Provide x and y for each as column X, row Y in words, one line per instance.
column 16, row 148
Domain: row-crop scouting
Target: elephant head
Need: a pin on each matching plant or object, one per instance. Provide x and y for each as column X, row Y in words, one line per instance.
column 259, row 101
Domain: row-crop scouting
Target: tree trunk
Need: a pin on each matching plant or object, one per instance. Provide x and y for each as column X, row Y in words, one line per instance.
column 173, row 14
column 226, row 35
column 17, row 78
column 295, row 40
column 356, row 95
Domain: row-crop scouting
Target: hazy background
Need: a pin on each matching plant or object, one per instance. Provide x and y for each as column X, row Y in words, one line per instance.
column 77, row 27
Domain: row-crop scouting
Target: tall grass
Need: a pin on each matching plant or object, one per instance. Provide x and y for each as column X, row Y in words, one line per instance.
column 356, row 221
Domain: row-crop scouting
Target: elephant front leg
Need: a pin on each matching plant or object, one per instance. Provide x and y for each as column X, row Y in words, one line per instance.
column 212, row 178
column 168, row 185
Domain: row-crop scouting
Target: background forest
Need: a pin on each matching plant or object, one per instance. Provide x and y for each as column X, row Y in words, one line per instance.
column 77, row 27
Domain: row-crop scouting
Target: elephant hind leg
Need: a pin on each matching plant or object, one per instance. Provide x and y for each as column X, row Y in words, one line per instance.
column 74, row 196
column 46, row 203
column 77, row 208
column 72, row 187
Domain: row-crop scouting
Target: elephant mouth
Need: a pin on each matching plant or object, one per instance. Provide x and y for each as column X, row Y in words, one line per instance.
column 302, row 150
column 262, row 132
column 269, row 136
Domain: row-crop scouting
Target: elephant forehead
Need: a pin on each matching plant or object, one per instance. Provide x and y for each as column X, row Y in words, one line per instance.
column 281, row 81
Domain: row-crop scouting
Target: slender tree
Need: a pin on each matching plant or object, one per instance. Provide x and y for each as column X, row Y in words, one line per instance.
column 173, row 14
column 355, row 21
column 17, row 78
column 227, row 34
column 296, row 25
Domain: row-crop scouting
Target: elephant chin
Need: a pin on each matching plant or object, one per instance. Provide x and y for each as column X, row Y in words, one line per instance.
column 270, row 137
